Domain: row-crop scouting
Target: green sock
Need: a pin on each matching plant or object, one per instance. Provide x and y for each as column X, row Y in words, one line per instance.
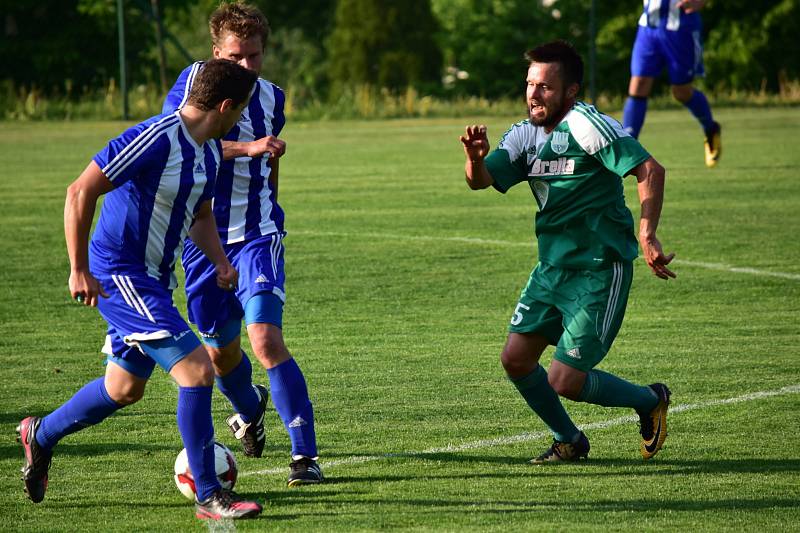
column 544, row 401
column 602, row 388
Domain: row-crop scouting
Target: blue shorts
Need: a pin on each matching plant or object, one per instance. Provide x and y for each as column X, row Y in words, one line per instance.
column 260, row 266
column 144, row 327
column 680, row 51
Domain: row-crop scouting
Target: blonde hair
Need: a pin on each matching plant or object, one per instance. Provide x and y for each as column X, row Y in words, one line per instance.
column 242, row 20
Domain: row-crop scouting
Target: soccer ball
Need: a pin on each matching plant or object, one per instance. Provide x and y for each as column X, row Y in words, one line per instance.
column 224, row 464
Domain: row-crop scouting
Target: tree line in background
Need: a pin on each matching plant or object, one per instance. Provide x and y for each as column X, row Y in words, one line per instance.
column 324, row 50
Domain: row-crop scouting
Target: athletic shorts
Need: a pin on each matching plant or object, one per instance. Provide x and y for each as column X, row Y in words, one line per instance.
column 577, row 311
column 260, row 266
column 681, row 52
column 144, row 327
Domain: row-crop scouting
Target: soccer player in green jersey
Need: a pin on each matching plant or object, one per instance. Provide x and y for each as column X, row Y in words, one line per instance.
column 573, row 158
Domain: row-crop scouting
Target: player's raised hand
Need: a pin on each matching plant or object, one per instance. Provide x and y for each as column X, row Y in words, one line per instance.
column 655, row 258
column 227, row 276
column 271, row 145
column 476, row 144
column 84, row 288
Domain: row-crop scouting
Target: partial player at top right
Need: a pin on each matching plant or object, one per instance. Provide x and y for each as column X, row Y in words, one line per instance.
column 669, row 36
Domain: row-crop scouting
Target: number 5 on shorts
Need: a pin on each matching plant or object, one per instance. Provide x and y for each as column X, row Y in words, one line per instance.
column 517, row 318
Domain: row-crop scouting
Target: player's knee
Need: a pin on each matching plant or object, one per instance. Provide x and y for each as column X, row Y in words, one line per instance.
column 225, row 359
column 268, row 345
column 565, row 385
column 126, row 393
column 514, row 363
column 682, row 93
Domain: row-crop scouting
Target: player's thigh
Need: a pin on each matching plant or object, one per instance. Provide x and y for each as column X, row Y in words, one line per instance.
column 535, row 311
column 193, row 369
column 141, row 313
column 260, row 264
column 216, row 312
column 647, row 59
column 123, row 386
column 684, row 56
column 593, row 306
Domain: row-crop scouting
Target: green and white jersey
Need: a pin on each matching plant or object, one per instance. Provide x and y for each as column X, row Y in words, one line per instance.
column 575, row 173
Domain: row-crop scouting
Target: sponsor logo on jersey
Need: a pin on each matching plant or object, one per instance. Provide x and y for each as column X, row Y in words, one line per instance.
column 559, row 142
column 556, row 167
column 199, row 168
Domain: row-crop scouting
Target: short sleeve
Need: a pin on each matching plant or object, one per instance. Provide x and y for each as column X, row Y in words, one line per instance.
column 179, row 93
column 505, row 172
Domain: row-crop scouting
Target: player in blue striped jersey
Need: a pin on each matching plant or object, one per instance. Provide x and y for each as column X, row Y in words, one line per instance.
column 158, row 178
column 669, row 36
column 251, row 227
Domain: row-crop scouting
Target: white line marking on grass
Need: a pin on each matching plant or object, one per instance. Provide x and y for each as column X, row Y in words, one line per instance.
column 470, row 240
column 739, row 270
column 525, row 437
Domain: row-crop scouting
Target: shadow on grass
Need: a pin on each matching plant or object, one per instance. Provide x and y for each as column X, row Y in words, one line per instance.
column 537, row 505
column 14, row 451
column 610, row 466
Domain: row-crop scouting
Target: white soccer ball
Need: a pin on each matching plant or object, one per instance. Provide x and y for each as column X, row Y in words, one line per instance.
column 224, row 463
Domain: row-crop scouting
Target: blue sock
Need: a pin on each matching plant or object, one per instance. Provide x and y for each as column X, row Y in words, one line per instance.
column 290, row 398
column 602, row 388
column 197, row 433
column 90, row 405
column 237, row 386
column 545, row 402
column 698, row 105
column 633, row 115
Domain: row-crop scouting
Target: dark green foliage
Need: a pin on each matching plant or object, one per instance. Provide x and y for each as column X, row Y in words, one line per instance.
column 70, row 47
column 385, row 44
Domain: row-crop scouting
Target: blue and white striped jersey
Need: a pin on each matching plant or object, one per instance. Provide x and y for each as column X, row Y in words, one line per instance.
column 667, row 14
column 161, row 177
column 245, row 204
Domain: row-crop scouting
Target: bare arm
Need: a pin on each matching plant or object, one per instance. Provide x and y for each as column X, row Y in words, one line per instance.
column 650, row 176
column 476, row 148
column 691, row 6
column 272, row 145
column 273, row 176
column 204, row 234
column 79, row 209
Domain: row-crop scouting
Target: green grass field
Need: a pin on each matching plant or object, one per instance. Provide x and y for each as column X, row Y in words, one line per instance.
column 400, row 285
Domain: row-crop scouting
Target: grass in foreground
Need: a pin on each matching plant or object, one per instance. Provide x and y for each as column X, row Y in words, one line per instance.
column 400, row 285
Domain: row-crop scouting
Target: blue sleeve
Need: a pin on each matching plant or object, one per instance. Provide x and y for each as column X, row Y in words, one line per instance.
column 125, row 156
column 177, row 96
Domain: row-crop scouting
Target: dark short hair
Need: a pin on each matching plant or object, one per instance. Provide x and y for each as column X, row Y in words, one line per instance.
column 242, row 20
column 563, row 53
column 219, row 80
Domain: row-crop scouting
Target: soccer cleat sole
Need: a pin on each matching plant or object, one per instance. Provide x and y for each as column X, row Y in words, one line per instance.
column 300, row 482
column 202, row 514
